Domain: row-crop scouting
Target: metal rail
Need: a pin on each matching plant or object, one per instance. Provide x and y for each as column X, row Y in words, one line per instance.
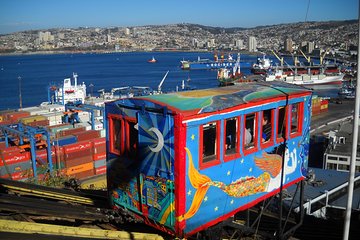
column 51, row 193
column 89, row 233
column 33, row 202
column 14, row 204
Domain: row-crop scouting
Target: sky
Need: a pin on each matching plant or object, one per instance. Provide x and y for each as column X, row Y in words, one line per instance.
column 20, row 15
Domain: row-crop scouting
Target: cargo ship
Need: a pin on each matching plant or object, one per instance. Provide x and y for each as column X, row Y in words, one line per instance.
column 216, row 63
column 313, row 80
column 265, row 66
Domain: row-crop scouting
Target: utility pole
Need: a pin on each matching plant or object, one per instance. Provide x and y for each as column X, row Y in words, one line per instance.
column 20, row 98
column 347, row 219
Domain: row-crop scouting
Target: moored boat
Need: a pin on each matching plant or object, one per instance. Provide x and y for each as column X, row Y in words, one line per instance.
column 264, row 66
column 317, row 79
column 152, row 60
column 205, row 63
column 312, row 81
column 231, row 76
column 68, row 92
column 261, row 66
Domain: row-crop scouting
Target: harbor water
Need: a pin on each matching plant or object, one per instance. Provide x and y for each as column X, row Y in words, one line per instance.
column 31, row 75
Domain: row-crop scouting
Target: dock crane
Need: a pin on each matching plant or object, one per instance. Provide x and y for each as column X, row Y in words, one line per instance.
column 120, row 90
column 88, row 108
column 282, row 62
column 72, row 116
column 280, row 59
column 31, row 134
column 161, row 82
column 322, row 56
column 308, row 59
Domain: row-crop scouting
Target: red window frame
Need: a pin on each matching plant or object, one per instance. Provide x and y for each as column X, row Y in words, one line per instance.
column 213, row 162
column 281, row 139
column 270, row 142
column 232, row 156
column 111, row 120
column 127, row 133
column 300, row 117
column 254, row 148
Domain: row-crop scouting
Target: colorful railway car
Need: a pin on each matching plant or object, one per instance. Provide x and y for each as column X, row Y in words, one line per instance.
column 185, row 161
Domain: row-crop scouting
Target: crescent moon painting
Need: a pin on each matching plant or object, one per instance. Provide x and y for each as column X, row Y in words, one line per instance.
column 156, row 143
column 160, row 140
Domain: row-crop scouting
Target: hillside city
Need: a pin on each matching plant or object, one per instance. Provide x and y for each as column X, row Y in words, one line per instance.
column 336, row 37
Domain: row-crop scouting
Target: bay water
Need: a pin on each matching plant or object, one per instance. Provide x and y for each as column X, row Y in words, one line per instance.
column 33, row 74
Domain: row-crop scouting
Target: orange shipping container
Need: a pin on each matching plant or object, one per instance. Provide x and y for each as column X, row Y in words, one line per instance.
column 78, row 161
column 80, row 168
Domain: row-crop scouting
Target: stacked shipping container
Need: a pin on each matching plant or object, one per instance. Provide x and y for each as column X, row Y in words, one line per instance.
column 99, row 155
column 78, row 159
column 14, row 162
column 324, row 105
column 319, row 105
column 316, row 101
column 77, row 152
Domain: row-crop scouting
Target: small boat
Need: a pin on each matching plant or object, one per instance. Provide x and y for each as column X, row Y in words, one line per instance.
column 153, row 60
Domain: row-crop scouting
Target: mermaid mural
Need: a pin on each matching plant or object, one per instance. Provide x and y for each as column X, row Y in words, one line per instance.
column 268, row 181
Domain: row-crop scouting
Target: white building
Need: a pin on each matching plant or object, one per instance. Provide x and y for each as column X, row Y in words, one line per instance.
column 310, row 47
column 45, row 37
column 212, row 42
column 239, row 44
column 288, row 45
column 194, row 42
column 108, row 38
column 338, row 154
column 252, row 44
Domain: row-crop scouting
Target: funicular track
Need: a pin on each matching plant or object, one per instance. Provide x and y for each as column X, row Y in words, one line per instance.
column 28, row 208
column 33, row 209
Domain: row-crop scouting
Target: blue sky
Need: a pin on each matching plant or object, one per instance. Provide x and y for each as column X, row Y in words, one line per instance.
column 19, row 15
